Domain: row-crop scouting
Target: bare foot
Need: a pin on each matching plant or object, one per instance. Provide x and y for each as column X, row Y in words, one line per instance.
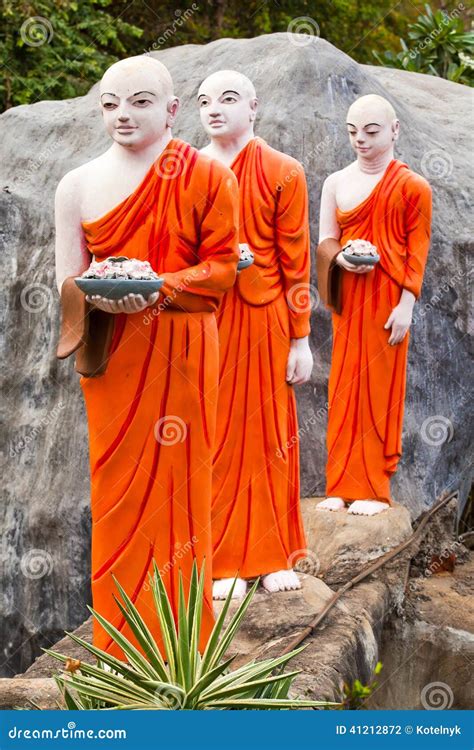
column 331, row 503
column 281, row 580
column 367, row 507
column 221, row 588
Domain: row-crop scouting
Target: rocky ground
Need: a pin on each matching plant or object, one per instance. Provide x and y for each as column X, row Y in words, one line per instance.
column 421, row 625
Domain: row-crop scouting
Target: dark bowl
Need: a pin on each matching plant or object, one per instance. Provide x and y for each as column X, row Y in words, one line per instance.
column 361, row 260
column 118, row 288
column 244, row 263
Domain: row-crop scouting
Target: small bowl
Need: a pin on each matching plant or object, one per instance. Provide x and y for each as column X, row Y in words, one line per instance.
column 361, row 260
column 119, row 288
column 244, row 263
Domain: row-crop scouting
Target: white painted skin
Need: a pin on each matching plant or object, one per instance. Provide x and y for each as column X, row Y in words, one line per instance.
column 138, row 109
column 228, row 108
column 222, row 587
column 357, row 507
column 373, row 128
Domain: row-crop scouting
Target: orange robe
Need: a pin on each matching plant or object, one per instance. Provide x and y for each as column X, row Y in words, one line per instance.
column 367, row 378
column 256, row 521
column 152, row 413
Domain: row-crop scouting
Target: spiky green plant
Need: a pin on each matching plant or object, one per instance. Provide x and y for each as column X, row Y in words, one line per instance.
column 182, row 678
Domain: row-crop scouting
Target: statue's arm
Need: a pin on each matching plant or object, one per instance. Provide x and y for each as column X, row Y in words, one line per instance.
column 329, row 248
column 293, row 249
column 328, row 226
column 215, row 218
column 418, row 232
column 71, row 254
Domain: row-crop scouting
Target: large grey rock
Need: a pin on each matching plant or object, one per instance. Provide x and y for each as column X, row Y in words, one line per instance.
column 304, row 93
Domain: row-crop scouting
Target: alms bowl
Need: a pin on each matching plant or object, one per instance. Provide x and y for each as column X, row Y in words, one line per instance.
column 361, row 260
column 119, row 288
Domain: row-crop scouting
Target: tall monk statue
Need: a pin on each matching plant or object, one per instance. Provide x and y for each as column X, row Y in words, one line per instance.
column 151, row 403
column 263, row 324
column 376, row 207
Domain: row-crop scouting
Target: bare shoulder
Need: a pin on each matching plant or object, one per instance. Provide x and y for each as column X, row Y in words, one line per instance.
column 206, row 150
column 334, row 180
column 73, row 184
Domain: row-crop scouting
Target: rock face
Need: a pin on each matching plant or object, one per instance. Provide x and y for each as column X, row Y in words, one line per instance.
column 304, row 92
column 428, row 654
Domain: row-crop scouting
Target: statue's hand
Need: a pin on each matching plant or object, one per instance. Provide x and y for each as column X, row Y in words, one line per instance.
column 132, row 303
column 300, row 362
column 361, row 245
column 399, row 321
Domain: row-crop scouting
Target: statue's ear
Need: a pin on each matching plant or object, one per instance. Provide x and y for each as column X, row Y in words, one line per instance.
column 253, row 109
column 395, row 129
column 172, row 107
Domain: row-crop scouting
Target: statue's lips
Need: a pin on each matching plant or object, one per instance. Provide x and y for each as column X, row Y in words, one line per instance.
column 126, row 128
column 217, row 122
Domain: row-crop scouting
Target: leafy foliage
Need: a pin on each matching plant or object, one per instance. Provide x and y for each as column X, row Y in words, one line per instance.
column 438, row 45
column 181, row 678
column 354, row 695
column 58, row 48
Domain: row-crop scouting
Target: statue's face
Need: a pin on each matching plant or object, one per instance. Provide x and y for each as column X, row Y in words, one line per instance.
column 227, row 108
column 136, row 104
column 371, row 129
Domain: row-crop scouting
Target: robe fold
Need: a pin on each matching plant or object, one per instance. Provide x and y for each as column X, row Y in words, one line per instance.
column 368, row 375
column 152, row 414
column 256, row 520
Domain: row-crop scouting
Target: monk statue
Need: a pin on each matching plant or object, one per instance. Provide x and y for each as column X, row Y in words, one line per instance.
column 377, row 212
column 151, row 395
column 263, row 324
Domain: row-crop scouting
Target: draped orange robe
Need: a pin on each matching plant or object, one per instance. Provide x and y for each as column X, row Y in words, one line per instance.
column 152, row 414
column 256, row 520
column 368, row 375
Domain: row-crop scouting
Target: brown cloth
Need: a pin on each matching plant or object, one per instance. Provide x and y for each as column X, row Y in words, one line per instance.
column 85, row 330
column 329, row 274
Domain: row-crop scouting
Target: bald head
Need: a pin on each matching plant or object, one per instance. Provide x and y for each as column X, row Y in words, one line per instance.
column 134, row 69
column 373, row 105
column 137, row 100
column 231, row 79
column 373, row 128
column 227, row 105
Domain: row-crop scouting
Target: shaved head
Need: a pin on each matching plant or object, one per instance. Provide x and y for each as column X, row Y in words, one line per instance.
column 372, row 105
column 230, row 79
column 137, row 101
column 136, row 68
column 373, row 128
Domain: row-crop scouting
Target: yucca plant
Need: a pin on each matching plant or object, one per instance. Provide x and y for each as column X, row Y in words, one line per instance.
column 181, row 678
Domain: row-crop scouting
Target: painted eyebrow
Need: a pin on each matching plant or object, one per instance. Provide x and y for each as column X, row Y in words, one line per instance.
column 109, row 93
column 230, row 91
column 365, row 126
